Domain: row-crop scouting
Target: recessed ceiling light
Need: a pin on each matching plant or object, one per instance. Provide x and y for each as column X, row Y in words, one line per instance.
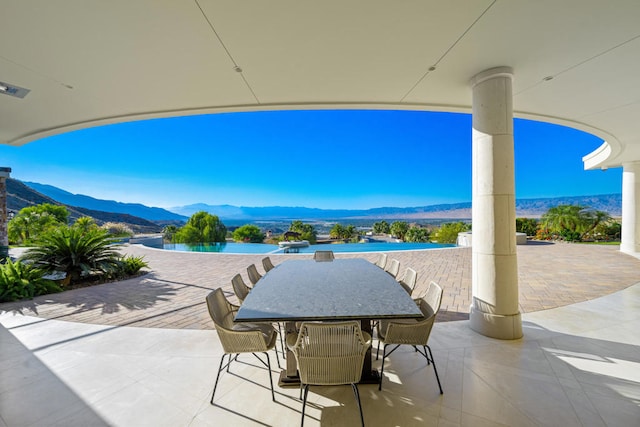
column 13, row 90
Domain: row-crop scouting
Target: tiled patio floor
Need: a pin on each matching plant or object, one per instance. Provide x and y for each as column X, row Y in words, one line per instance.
column 75, row 359
column 172, row 294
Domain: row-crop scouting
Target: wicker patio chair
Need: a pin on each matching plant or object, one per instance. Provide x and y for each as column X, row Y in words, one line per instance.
column 267, row 264
column 412, row 332
column 254, row 276
column 393, row 267
column 240, row 288
column 329, row 354
column 239, row 338
column 408, row 281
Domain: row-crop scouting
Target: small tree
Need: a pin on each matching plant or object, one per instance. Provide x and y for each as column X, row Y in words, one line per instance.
column 417, row 234
column 448, row 232
column 572, row 222
column 339, row 231
column 399, row 229
column 307, row 232
column 32, row 221
column 248, row 233
column 381, row 227
column 202, row 227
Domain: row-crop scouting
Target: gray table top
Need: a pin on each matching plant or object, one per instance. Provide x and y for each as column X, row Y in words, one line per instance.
column 342, row 289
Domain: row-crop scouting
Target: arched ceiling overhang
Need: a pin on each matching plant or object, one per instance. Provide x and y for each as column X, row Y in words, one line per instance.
column 89, row 63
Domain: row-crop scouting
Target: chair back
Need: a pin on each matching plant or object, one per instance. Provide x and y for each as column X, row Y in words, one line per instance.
column 222, row 312
column 433, row 297
column 331, row 353
column 409, row 280
column 393, row 267
column 245, row 339
column 254, row 276
column 267, row 264
column 240, row 288
column 416, row 333
column 323, row 256
column 382, row 261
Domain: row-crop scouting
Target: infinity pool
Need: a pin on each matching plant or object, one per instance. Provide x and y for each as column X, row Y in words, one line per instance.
column 261, row 248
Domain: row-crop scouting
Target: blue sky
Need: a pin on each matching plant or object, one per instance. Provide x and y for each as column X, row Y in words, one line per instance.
column 318, row 159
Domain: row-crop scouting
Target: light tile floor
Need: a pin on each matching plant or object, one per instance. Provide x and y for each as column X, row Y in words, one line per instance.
column 577, row 365
column 142, row 352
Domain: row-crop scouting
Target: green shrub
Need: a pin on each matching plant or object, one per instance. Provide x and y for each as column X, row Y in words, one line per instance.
column 202, row 227
column 117, row 229
column 448, row 233
column 26, row 227
column 76, row 252
column 417, row 234
column 529, row 226
column 399, row 229
column 381, row 227
column 129, row 266
column 307, row 231
column 248, row 233
column 133, row 264
column 19, row 281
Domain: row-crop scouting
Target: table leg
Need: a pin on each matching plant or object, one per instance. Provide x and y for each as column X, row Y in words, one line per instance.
column 369, row 375
column 289, row 376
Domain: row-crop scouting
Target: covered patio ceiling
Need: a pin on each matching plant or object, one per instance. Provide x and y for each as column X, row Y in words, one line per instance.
column 86, row 63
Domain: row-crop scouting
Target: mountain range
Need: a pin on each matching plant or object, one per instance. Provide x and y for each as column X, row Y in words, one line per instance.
column 29, row 193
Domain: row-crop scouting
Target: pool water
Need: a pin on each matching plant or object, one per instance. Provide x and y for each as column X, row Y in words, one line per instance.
column 261, row 248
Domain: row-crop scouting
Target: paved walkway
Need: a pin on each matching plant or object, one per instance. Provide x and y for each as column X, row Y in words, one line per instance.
column 172, row 294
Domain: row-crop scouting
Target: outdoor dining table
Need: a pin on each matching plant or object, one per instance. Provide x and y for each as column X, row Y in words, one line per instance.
column 342, row 289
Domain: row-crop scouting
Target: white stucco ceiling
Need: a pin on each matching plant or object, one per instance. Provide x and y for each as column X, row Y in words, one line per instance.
column 90, row 62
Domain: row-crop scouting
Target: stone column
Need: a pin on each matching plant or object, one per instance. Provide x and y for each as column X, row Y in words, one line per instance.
column 4, row 238
column 630, row 238
column 494, row 309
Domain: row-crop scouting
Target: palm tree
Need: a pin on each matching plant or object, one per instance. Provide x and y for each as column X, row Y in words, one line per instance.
column 576, row 219
column 75, row 251
column 563, row 217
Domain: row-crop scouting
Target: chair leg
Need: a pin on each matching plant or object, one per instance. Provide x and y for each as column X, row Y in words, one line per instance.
column 273, row 396
column 218, row 376
column 378, row 349
column 282, row 347
column 357, row 394
column 275, row 348
column 304, row 402
column 384, row 356
column 434, row 366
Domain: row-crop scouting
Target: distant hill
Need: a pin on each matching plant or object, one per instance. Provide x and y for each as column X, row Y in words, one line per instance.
column 82, row 201
column 533, row 208
column 25, row 194
column 20, row 196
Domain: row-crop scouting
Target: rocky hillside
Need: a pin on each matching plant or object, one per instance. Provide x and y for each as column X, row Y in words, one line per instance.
column 20, row 196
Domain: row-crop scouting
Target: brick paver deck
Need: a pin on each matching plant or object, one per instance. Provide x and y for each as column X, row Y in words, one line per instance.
column 172, row 294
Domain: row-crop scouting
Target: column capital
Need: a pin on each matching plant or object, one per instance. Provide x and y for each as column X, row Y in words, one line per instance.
column 631, row 165
column 491, row 73
column 4, row 172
